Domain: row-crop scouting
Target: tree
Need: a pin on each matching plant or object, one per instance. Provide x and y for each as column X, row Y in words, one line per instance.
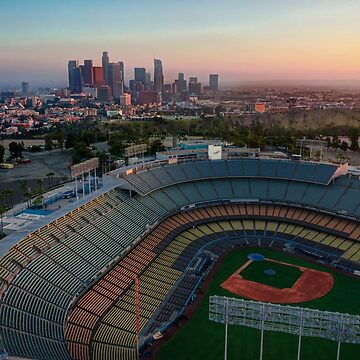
column 59, row 137
column 2, row 153
column 2, row 212
column 354, row 138
column 328, row 142
column 81, row 152
column 3, row 209
column 38, row 202
column 50, row 176
column 40, row 198
column 344, row 146
column 26, row 191
column 335, row 142
column 342, row 158
column 16, row 150
column 156, row 146
column 70, row 141
column 88, row 137
column 48, row 144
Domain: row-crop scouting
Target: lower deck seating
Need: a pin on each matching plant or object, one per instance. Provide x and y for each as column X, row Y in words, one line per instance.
column 162, row 258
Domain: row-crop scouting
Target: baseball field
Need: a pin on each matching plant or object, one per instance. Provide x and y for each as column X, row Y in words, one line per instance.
column 201, row 339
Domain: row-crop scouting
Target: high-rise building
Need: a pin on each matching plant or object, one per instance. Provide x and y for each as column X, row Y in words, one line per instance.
column 148, row 97
column 158, row 76
column 98, row 76
column 214, row 82
column 193, row 79
column 118, row 89
column 74, row 73
column 105, row 66
column 140, row 75
column 88, row 73
column 194, row 88
column 25, row 88
column 114, row 75
column 181, row 83
column 104, row 93
column 122, row 68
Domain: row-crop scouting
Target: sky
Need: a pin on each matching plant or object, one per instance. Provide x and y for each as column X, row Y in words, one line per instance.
column 257, row 40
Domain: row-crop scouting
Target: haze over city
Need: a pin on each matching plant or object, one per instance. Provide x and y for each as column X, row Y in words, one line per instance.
column 244, row 41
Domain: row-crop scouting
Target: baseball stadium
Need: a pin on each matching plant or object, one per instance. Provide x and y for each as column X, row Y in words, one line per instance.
column 128, row 271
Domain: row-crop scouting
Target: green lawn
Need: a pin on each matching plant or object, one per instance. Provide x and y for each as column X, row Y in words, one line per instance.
column 285, row 276
column 201, row 339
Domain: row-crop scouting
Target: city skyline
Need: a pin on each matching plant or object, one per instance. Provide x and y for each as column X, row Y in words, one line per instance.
column 257, row 41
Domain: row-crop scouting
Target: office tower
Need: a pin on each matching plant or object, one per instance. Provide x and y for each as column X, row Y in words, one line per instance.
column 82, row 74
column 148, row 78
column 167, row 88
column 181, row 83
column 74, row 73
column 148, row 97
column 98, row 76
column 140, row 75
column 88, row 73
column 118, row 89
column 122, row 68
column 193, row 80
column 158, row 76
column 132, row 85
column 214, row 82
column 105, row 66
column 139, row 87
column 194, row 89
column 25, row 88
column 114, row 75
column 104, row 93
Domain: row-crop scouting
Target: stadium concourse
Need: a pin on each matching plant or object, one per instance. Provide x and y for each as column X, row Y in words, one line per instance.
column 67, row 286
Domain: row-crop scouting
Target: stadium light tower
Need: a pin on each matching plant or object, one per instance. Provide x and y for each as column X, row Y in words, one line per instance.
column 288, row 319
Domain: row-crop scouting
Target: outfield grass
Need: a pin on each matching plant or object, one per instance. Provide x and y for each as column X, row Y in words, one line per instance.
column 285, row 276
column 201, row 339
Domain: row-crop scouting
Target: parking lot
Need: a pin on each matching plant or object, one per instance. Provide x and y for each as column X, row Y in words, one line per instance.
column 41, row 164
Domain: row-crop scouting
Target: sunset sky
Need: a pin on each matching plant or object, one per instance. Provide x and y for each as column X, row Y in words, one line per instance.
column 240, row 40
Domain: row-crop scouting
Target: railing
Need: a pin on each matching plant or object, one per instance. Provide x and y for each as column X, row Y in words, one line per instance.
column 122, row 172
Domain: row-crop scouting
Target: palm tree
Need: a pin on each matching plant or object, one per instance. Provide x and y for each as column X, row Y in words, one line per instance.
column 2, row 212
column 40, row 198
column 50, row 176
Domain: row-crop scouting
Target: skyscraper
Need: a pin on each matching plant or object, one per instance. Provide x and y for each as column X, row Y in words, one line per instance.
column 140, row 75
column 181, row 83
column 88, row 73
column 214, row 82
column 114, row 75
column 158, row 76
column 98, row 76
column 104, row 93
column 105, row 65
column 194, row 88
column 25, row 88
column 74, row 73
column 122, row 68
column 118, row 89
column 193, row 79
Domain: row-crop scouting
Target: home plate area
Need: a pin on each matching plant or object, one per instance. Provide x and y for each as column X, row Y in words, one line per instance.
column 269, row 280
